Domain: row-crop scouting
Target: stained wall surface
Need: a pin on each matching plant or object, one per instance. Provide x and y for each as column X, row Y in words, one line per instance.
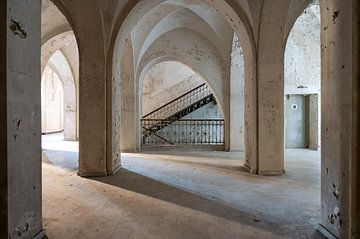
column 302, row 71
column 165, row 82
column 20, row 151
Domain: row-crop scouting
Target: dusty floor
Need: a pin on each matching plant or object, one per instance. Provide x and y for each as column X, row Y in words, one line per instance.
column 179, row 195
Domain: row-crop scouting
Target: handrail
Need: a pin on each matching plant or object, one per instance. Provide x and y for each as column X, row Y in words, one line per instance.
column 183, row 132
column 184, row 120
column 162, row 107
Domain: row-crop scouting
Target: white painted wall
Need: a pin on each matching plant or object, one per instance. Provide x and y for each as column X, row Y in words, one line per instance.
column 52, row 104
column 237, row 97
column 165, row 82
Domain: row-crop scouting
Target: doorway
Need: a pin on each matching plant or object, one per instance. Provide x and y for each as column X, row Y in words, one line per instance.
column 297, row 121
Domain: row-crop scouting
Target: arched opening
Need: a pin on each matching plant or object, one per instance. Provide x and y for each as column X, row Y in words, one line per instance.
column 179, row 109
column 302, row 81
column 149, row 198
column 59, row 112
column 302, row 94
column 210, row 48
column 59, row 90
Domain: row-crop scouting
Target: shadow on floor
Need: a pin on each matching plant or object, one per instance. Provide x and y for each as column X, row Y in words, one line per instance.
column 62, row 159
column 194, row 158
column 132, row 181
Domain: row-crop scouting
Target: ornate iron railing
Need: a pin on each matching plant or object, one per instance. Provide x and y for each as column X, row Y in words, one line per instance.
column 182, row 132
column 180, row 103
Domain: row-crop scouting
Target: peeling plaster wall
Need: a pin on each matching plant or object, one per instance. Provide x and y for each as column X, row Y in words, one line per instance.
column 302, row 67
column 165, row 82
column 164, row 75
column 340, row 118
column 302, row 54
column 209, row 111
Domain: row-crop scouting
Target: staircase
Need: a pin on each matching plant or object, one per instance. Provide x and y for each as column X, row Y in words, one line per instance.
column 175, row 110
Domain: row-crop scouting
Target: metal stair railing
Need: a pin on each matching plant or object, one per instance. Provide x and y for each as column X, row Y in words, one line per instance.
column 184, row 132
column 155, row 125
column 159, row 125
column 180, row 103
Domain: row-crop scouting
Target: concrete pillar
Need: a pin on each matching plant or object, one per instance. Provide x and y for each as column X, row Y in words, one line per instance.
column 129, row 114
column 314, row 122
column 340, row 174
column 271, row 87
column 87, row 23
column 250, row 112
column 237, row 97
column 20, row 120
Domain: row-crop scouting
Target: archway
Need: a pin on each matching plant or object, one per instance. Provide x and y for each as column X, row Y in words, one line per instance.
column 162, row 13
column 60, row 73
column 302, row 106
column 60, row 70
column 178, row 102
column 302, row 81
column 21, row 141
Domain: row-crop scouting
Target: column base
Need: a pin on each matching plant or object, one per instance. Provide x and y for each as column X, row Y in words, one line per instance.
column 236, row 151
column 114, row 171
column 250, row 170
column 129, row 151
column 91, row 175
column 271, row 173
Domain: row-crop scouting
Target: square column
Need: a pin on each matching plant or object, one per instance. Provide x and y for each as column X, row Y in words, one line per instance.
column 340, row 147
column 20, row 119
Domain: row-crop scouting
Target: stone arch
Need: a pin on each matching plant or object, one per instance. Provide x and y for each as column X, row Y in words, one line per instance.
column 92, row 68
column 48, row 48
column 182, row 18
column 238, row 20
column 203, row 59
column 56, row 43
column 302, row 76
column 59, row 64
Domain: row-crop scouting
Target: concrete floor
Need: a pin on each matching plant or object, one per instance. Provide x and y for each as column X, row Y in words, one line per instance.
column 180, row 195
